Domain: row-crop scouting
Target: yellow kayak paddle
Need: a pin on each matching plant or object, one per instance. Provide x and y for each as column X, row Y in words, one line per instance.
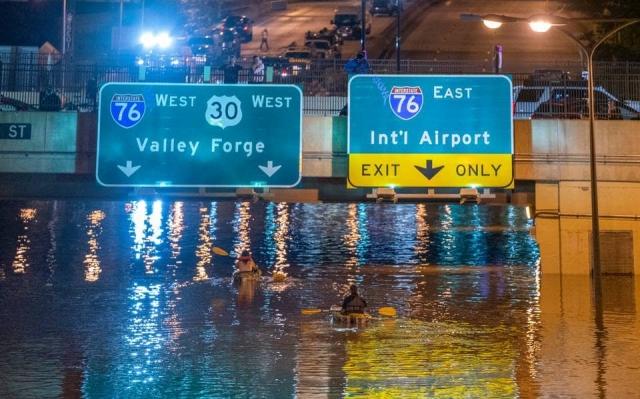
column 385, row 311
column 220, row 251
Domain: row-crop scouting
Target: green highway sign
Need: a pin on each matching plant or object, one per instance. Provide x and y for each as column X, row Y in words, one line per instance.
column 199, row 135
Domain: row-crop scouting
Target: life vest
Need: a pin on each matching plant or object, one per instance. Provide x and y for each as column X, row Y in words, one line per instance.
column 356, row 305
column 246, row 264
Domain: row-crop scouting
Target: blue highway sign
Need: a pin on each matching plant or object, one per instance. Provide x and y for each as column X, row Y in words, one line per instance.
column 430, row 131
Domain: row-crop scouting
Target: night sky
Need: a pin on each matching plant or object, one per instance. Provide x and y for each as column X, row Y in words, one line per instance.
column 30, row 24
column 35, row 22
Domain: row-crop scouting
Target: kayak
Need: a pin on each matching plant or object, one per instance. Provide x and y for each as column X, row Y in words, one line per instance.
column 337, row 315
column 278, row 275
column 246, row 276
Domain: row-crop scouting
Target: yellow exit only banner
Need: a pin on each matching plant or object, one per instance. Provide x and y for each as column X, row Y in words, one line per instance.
column 431, row 170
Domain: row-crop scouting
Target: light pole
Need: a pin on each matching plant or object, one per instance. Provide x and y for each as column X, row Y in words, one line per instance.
column 64, row 26
column 398, row 36
column 542, row 23
column 120, row 27
column 363, row 25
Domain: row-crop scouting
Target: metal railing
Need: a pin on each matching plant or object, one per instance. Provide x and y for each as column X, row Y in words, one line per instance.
column 24, row 77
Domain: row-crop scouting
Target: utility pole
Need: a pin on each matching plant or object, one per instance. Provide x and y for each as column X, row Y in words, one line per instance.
column 363, row 25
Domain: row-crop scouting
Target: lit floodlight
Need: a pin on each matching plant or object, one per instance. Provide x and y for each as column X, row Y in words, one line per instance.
column 386, row 194
column 469, row 194
column 247, row 193
column 491, row 24
column 147, row 40
column 163, row 40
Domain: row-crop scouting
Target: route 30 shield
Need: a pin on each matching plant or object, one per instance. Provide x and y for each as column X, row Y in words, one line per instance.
column 224, row 111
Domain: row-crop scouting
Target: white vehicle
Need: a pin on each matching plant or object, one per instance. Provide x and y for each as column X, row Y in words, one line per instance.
column 528, row 98
column 322, row 48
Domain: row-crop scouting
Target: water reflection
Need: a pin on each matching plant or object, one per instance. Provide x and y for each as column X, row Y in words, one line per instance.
column 356, row 238
column 175, row 228
column 92, row 268
column 596, row 359
column 144, row 337
column 277, row 228
column 20, row 261
column 53, row 242
column 242, row 227
column 422, row 234
column 205, row 242
column 475, row 317
column 147, row 232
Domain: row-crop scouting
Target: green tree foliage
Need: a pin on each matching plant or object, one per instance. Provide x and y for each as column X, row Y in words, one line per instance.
column 623, row 46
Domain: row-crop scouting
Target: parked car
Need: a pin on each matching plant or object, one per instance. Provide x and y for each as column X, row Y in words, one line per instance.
column 550, row 75
column 281, row 68
column 328, row 34
column 218, row 44
column 578, row 108
column 299, row 59
column 528, row 98
column 331, row 36
column 321, row 47
column 242, row 24
column 349, row 24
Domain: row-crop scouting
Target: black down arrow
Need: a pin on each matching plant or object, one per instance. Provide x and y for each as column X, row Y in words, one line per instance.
column 429, row 171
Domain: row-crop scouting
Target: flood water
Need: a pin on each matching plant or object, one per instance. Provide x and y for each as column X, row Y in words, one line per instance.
column 128, row 300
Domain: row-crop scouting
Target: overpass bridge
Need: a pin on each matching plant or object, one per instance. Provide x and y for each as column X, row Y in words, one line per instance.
column 56, row 158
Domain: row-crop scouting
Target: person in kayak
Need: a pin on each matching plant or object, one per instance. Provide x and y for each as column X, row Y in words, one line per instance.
column 245, row 263
column 353, row 303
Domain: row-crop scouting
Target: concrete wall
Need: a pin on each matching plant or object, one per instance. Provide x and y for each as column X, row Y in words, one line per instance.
column 563, row 227
column 559, row 150
column 51, row 147
column 324, row 146
column 555, row 154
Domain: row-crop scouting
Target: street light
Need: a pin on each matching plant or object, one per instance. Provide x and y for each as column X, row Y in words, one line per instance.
column 64, row 26
column 398, row 36
column 542, row 23
column 363, row 24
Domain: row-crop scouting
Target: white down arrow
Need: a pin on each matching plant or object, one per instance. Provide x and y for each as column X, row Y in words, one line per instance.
column 128, row 170
column 270, row 169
